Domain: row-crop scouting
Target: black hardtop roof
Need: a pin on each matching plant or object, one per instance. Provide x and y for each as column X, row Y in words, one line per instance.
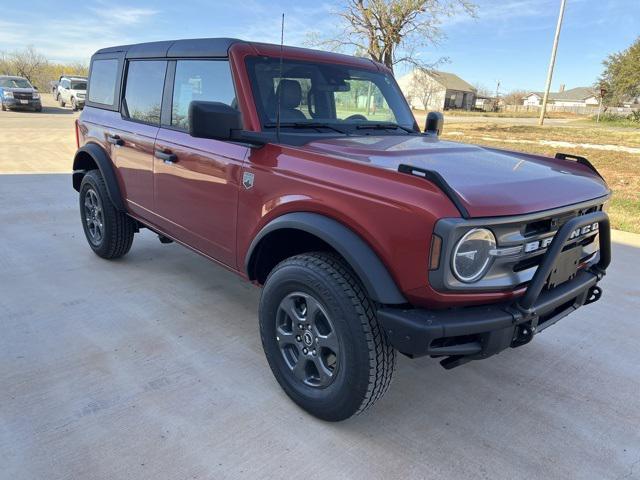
column 197, row 47
column 209, row 47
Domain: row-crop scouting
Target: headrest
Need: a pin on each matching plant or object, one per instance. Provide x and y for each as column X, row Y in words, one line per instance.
column 291, row 93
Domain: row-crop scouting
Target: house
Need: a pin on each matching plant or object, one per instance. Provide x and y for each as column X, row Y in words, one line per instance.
column 434, row 90
column 574, row 97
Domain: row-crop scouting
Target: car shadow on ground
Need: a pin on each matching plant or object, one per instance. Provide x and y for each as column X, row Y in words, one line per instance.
column 57, row 110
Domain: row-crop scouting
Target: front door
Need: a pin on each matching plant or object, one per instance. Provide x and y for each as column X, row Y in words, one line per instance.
column 197, row 180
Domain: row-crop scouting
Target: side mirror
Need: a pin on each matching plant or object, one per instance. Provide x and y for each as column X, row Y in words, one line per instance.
column 35, row 88
column 434, row 123
column 213, row 120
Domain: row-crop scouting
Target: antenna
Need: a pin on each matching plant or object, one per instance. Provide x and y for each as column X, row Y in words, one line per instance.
column 280, row 80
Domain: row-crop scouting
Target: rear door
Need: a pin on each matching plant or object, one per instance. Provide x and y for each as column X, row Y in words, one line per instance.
column 197, row 179
column 134, row 136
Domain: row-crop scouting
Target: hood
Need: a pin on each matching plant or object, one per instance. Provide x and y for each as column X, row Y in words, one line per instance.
column 19, row 90
column 489, row 182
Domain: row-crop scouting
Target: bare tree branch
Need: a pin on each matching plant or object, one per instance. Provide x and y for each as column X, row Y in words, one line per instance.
column 391, row 31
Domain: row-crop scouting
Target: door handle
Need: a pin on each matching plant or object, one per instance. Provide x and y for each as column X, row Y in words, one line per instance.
column 166, row 156
column 115, row 140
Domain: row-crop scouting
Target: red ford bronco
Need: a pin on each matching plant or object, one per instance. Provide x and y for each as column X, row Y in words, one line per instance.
column 305, row 172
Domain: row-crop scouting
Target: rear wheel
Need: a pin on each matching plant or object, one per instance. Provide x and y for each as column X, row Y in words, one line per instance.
column 60, row 101
column 108, row 231
column 4, row 109
column 322, row 339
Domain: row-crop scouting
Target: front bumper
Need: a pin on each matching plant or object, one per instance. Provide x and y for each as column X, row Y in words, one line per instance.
column 478, row 332
column 16, row 103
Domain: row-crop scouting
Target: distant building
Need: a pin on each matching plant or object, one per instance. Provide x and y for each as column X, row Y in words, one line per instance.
column 574, row 97
column 434, row 90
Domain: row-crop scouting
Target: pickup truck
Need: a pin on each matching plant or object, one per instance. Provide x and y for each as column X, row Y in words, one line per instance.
column 306, row 173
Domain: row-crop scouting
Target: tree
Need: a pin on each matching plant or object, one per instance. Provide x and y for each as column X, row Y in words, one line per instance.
column 28, row 63
column 514, row 97
column 621, row 76
column 390, row 31
column 422, row 87
column 483, row 91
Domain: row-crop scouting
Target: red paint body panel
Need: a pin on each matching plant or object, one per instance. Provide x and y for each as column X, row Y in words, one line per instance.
column 200, row 200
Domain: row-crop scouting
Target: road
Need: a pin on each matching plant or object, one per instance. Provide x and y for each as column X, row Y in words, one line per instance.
column 150, row 367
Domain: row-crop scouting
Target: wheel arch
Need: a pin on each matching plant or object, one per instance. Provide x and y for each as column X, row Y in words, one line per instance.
column 92, row 156
column 314, row 230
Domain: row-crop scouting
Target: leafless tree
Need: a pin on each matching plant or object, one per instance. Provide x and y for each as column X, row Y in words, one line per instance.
column 483, row 91
column 391, row 31
column 514, row 97
column 28, row 63
column 422, row 87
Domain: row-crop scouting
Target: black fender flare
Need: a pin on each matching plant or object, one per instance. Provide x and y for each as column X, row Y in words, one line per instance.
column 367, row 265
column 102, row 160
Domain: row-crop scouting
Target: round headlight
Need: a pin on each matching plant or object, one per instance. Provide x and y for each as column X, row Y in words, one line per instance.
column 472, row 257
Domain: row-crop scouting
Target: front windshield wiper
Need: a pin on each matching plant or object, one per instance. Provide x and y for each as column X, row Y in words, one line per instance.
column 306, row 125
column 383, row 126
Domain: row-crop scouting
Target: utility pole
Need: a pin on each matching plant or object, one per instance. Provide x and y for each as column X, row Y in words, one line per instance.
column 552, row 62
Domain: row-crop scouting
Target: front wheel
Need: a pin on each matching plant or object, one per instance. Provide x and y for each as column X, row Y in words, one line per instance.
column 322, row 339
column 108, row 231
column 74, row 105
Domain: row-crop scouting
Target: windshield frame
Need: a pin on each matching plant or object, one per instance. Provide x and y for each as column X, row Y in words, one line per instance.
column 384, row 81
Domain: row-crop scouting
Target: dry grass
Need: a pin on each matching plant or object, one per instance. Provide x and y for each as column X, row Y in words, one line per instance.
column 620, row 169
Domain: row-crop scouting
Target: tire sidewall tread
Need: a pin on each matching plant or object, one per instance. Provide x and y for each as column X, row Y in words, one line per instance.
column 363, row 341
column 119, row 228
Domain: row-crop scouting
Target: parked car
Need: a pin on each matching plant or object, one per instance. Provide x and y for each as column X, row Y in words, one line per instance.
column 367, row 236
column 18, row 93
column 53, row 88
column 72, row 90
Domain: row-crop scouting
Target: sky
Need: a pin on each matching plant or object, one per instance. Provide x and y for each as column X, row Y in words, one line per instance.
column 509, row 41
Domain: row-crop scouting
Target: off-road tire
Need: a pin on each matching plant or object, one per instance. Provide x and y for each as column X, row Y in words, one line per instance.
column 4, row 109
column 119, row 228
column 366, row 361
column 74, row 105
column 61, row 101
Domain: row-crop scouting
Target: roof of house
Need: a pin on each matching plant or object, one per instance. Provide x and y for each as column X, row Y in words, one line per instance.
column 572, row 95
column 451, row 81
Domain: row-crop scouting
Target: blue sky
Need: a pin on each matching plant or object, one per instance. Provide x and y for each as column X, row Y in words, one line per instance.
column 510, row 41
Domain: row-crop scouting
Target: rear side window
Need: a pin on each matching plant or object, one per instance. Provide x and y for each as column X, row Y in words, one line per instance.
column 143, row 90
column 206, row 80
column 102, row 84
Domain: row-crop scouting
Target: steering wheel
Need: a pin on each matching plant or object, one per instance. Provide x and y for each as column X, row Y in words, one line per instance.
column 356, row 116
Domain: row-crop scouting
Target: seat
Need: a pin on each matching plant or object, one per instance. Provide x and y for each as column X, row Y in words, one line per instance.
column 290, row 94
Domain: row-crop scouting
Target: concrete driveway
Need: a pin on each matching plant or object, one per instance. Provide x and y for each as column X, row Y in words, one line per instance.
column 150, row 367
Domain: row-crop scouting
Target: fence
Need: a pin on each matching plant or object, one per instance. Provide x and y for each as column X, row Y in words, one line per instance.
column 577, row 110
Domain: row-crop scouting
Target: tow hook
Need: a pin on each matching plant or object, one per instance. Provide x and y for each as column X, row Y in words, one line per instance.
column 523, row 335
column 594, row 295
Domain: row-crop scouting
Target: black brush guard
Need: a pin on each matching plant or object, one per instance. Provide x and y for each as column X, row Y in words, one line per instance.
column 473, row 333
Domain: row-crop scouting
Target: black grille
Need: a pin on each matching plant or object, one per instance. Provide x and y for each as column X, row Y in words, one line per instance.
column 22, row 95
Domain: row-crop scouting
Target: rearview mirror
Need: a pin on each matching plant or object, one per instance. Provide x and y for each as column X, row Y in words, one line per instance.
column 434, row 123
column 213, row 120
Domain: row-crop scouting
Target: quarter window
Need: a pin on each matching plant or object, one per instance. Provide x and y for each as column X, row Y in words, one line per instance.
column 143, row 91
column 206, row 80
column 102, row 85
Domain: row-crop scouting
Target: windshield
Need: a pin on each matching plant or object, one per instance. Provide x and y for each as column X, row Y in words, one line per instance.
column 15, row 83
column 78, row 85
column 320, row 95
